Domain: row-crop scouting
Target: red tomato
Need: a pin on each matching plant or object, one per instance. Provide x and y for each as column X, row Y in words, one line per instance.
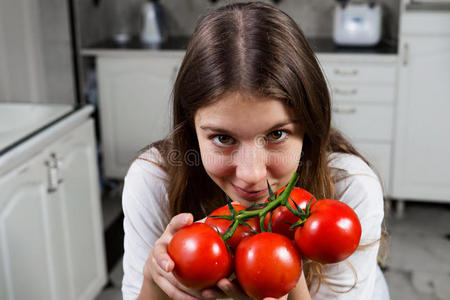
column 330, row 234
column 282, row 218
column 201, row 257
column 222, row 225
column 267, row 265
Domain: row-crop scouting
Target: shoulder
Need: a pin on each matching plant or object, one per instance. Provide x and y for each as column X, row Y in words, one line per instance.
column 349, row 164
column 352, row 172
column 357, row 185
column 147, row 168
column 146, row 181
column 149, row 162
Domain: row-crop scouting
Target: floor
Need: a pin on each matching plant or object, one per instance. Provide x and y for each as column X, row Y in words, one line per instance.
column 418, row 267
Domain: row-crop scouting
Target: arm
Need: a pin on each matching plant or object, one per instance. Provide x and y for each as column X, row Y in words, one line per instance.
column 301, row 291
column 355, row 278
column 158, row 282
column 145, row 207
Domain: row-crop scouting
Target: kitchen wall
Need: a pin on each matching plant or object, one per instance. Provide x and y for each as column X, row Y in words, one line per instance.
column 101, row 19
column 35, row 52
column 57, row 53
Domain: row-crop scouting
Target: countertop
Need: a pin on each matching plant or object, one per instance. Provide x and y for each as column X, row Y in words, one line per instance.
column 179, row 43
column 42, row 133
column 21, row 120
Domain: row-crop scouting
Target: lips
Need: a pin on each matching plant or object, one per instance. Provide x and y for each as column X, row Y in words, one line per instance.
column 249, row 194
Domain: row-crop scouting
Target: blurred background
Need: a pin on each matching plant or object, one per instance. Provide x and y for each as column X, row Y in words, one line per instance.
column 86, row 84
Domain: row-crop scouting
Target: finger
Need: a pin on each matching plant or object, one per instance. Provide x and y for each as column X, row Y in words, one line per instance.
column 232, row 290
column 178, row 222
column 173, row 292
column 169, row 276
column 160, row 249
column 213, row 293
column 162, row 260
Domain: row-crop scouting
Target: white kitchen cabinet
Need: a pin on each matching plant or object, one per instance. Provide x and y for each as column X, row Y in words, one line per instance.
column 134, row 104
column 363, row 89
column 50, row 222
column 421, row 157
column 26, row 261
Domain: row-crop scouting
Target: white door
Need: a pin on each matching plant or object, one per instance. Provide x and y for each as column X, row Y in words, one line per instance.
column 134, row 105
column 79, row 214
column 25, row 244
column 422, row 161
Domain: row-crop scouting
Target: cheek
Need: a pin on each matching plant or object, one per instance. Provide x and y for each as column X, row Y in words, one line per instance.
column 216, row 164
column 284, row 164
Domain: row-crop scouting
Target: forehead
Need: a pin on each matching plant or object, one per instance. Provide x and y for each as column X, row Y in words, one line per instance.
column 238, row 112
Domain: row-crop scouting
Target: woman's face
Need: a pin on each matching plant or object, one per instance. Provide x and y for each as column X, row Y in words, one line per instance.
column 245, row 141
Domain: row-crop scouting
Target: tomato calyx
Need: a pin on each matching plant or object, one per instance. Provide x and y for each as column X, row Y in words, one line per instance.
column 302, row 214
column 262, row 209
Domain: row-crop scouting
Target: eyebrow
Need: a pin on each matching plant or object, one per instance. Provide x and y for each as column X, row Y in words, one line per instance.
column 218, row 129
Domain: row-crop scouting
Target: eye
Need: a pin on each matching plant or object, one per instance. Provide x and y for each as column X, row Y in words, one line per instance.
column 223, row 140
column 277, row 135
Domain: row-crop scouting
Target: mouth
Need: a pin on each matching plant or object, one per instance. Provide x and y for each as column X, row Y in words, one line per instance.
column 249, row 194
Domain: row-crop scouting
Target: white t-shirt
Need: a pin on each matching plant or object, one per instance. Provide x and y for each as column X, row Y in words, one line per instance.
column 146, row 210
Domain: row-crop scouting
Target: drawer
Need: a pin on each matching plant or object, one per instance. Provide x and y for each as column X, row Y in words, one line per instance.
column 361, row 73
column 361, row 92
column 379, row 155
column 364, row 122
column 438, row 22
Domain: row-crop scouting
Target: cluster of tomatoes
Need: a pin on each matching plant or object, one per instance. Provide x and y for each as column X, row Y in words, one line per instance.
column 264, row 244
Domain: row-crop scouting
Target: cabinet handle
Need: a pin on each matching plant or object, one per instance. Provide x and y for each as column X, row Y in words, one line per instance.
column 345, row 92
column 353, row 72
column 52, row 174
column 350, row 110
column 405, row 54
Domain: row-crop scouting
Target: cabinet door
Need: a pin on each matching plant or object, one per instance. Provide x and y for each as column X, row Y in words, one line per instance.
column 79, row 215
column 134, row 106
column 422, row 162
column 25, row 246
column 364, row 122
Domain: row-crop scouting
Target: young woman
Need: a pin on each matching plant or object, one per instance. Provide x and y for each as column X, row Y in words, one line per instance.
column 250, row 105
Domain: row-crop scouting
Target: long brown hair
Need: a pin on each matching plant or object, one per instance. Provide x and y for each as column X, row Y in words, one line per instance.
column 257, row 49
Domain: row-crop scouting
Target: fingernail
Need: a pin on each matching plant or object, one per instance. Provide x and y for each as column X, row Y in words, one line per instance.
column 165, row 265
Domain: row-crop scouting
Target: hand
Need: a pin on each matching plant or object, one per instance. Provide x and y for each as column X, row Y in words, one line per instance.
column 159, row 265
column 230, row 289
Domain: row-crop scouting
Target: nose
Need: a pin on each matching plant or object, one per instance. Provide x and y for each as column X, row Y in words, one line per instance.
column 250, row 163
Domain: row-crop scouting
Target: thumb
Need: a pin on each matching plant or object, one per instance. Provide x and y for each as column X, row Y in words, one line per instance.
column 178, row 222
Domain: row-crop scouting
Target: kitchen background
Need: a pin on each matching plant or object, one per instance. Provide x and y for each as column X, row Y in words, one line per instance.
column 102, row 21
column 80, row 94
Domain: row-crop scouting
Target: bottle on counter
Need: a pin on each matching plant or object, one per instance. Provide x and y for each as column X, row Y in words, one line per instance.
column 152, row 31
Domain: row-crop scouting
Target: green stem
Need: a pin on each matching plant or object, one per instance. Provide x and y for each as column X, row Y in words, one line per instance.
column 231, row 231
column 243, row 215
